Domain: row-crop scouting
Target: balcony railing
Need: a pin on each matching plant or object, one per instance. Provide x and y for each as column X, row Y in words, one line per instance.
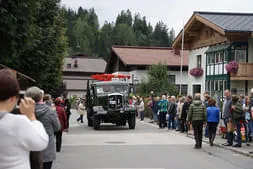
column 245, row 72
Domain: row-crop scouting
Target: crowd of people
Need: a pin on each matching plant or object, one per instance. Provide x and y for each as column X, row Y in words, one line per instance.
column 31, row 137
column 183, row 113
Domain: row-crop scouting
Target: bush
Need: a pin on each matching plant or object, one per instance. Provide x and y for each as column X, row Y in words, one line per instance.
column 158, row 82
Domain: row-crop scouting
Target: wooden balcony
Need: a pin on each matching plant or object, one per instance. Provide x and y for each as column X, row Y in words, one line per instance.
column 245, row 72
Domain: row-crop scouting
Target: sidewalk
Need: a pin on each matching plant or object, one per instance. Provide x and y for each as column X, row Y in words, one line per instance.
column 244, row 150
column 219, row 141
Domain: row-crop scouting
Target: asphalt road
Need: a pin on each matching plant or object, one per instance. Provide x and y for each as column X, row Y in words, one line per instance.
column 146, row 147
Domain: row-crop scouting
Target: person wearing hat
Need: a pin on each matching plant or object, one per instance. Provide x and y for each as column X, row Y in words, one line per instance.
column 20, row 133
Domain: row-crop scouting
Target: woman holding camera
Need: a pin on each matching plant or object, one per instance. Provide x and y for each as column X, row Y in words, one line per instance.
column 20, row 134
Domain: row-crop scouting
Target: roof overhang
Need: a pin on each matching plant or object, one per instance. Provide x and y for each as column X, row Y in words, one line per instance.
column 196, row 21
column 15, row 72
column 195, row 18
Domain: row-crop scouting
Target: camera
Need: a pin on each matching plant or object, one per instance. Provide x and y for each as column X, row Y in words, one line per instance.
column 21, row 96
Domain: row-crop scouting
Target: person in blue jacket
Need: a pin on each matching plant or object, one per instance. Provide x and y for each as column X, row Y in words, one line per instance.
column 213, row 117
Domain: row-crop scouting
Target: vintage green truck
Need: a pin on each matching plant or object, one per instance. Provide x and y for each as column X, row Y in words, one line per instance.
column 108, row 102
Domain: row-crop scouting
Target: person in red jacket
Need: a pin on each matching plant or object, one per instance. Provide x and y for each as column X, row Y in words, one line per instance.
column 63, row 120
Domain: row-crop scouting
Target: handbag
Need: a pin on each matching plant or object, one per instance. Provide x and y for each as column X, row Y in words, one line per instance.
column 230, row 127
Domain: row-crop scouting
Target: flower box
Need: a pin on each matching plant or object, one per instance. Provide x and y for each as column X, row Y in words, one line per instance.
column 197, row 71
column 232, row 67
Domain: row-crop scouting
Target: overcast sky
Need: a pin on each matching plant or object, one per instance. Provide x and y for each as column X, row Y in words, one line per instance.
column 172, row 12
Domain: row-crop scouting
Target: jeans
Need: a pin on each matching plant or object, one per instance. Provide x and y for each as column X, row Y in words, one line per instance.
column 47, row 165
column 58, row 140
column 142, row 115
column 251, row 127
column 171, row 121
column 80, row 118
column 162, row 119
column 155, row 117
column 229, row 135
column 212, row 127
column 183, row 125
column 198, row 132
column 177, row 123
column 206, row 132
column 238, row 131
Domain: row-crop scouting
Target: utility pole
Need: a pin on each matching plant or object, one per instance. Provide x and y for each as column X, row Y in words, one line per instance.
column 181, row 62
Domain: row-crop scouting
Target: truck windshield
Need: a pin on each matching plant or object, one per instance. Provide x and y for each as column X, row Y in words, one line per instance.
column 111, row 89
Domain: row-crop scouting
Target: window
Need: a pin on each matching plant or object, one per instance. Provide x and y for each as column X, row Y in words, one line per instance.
column 240, row 55
column 196, row 89
column 172, row 79
column 212, row 59
column 69, row 65
column 199, row 60
column 219, row 57
column 183, row 89
column 226, row 56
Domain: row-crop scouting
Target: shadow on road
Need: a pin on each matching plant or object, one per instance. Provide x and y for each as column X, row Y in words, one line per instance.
column 106, row 127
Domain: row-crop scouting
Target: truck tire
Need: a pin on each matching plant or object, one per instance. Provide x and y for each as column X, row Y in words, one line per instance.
column 96, row 123
column 131, row 121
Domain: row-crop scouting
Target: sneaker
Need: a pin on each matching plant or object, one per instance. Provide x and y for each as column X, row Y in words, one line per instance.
column 227, row 144
column 247, row 144
column 237, row 145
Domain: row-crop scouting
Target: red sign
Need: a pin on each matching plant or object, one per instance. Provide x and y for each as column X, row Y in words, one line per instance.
column 109, row 77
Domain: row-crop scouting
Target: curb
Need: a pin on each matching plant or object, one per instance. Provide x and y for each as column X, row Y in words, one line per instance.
column 226, row 148
column 215, row 144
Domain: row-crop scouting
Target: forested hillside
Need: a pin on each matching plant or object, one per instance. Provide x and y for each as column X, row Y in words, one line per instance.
column 85, row 35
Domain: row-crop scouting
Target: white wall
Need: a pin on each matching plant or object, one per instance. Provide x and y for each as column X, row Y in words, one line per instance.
column 183, row 80
column 239, row 85
column 142, row 75
column 192, row 64
column 250, row 54
column 76, row 93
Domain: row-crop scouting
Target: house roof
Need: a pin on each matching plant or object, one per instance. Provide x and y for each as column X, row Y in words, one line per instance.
column 131, row 55
column 223, row 23
column 230, row 22
column 95, row 65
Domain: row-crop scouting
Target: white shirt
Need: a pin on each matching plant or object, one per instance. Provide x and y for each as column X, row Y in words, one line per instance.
column 19, row 136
